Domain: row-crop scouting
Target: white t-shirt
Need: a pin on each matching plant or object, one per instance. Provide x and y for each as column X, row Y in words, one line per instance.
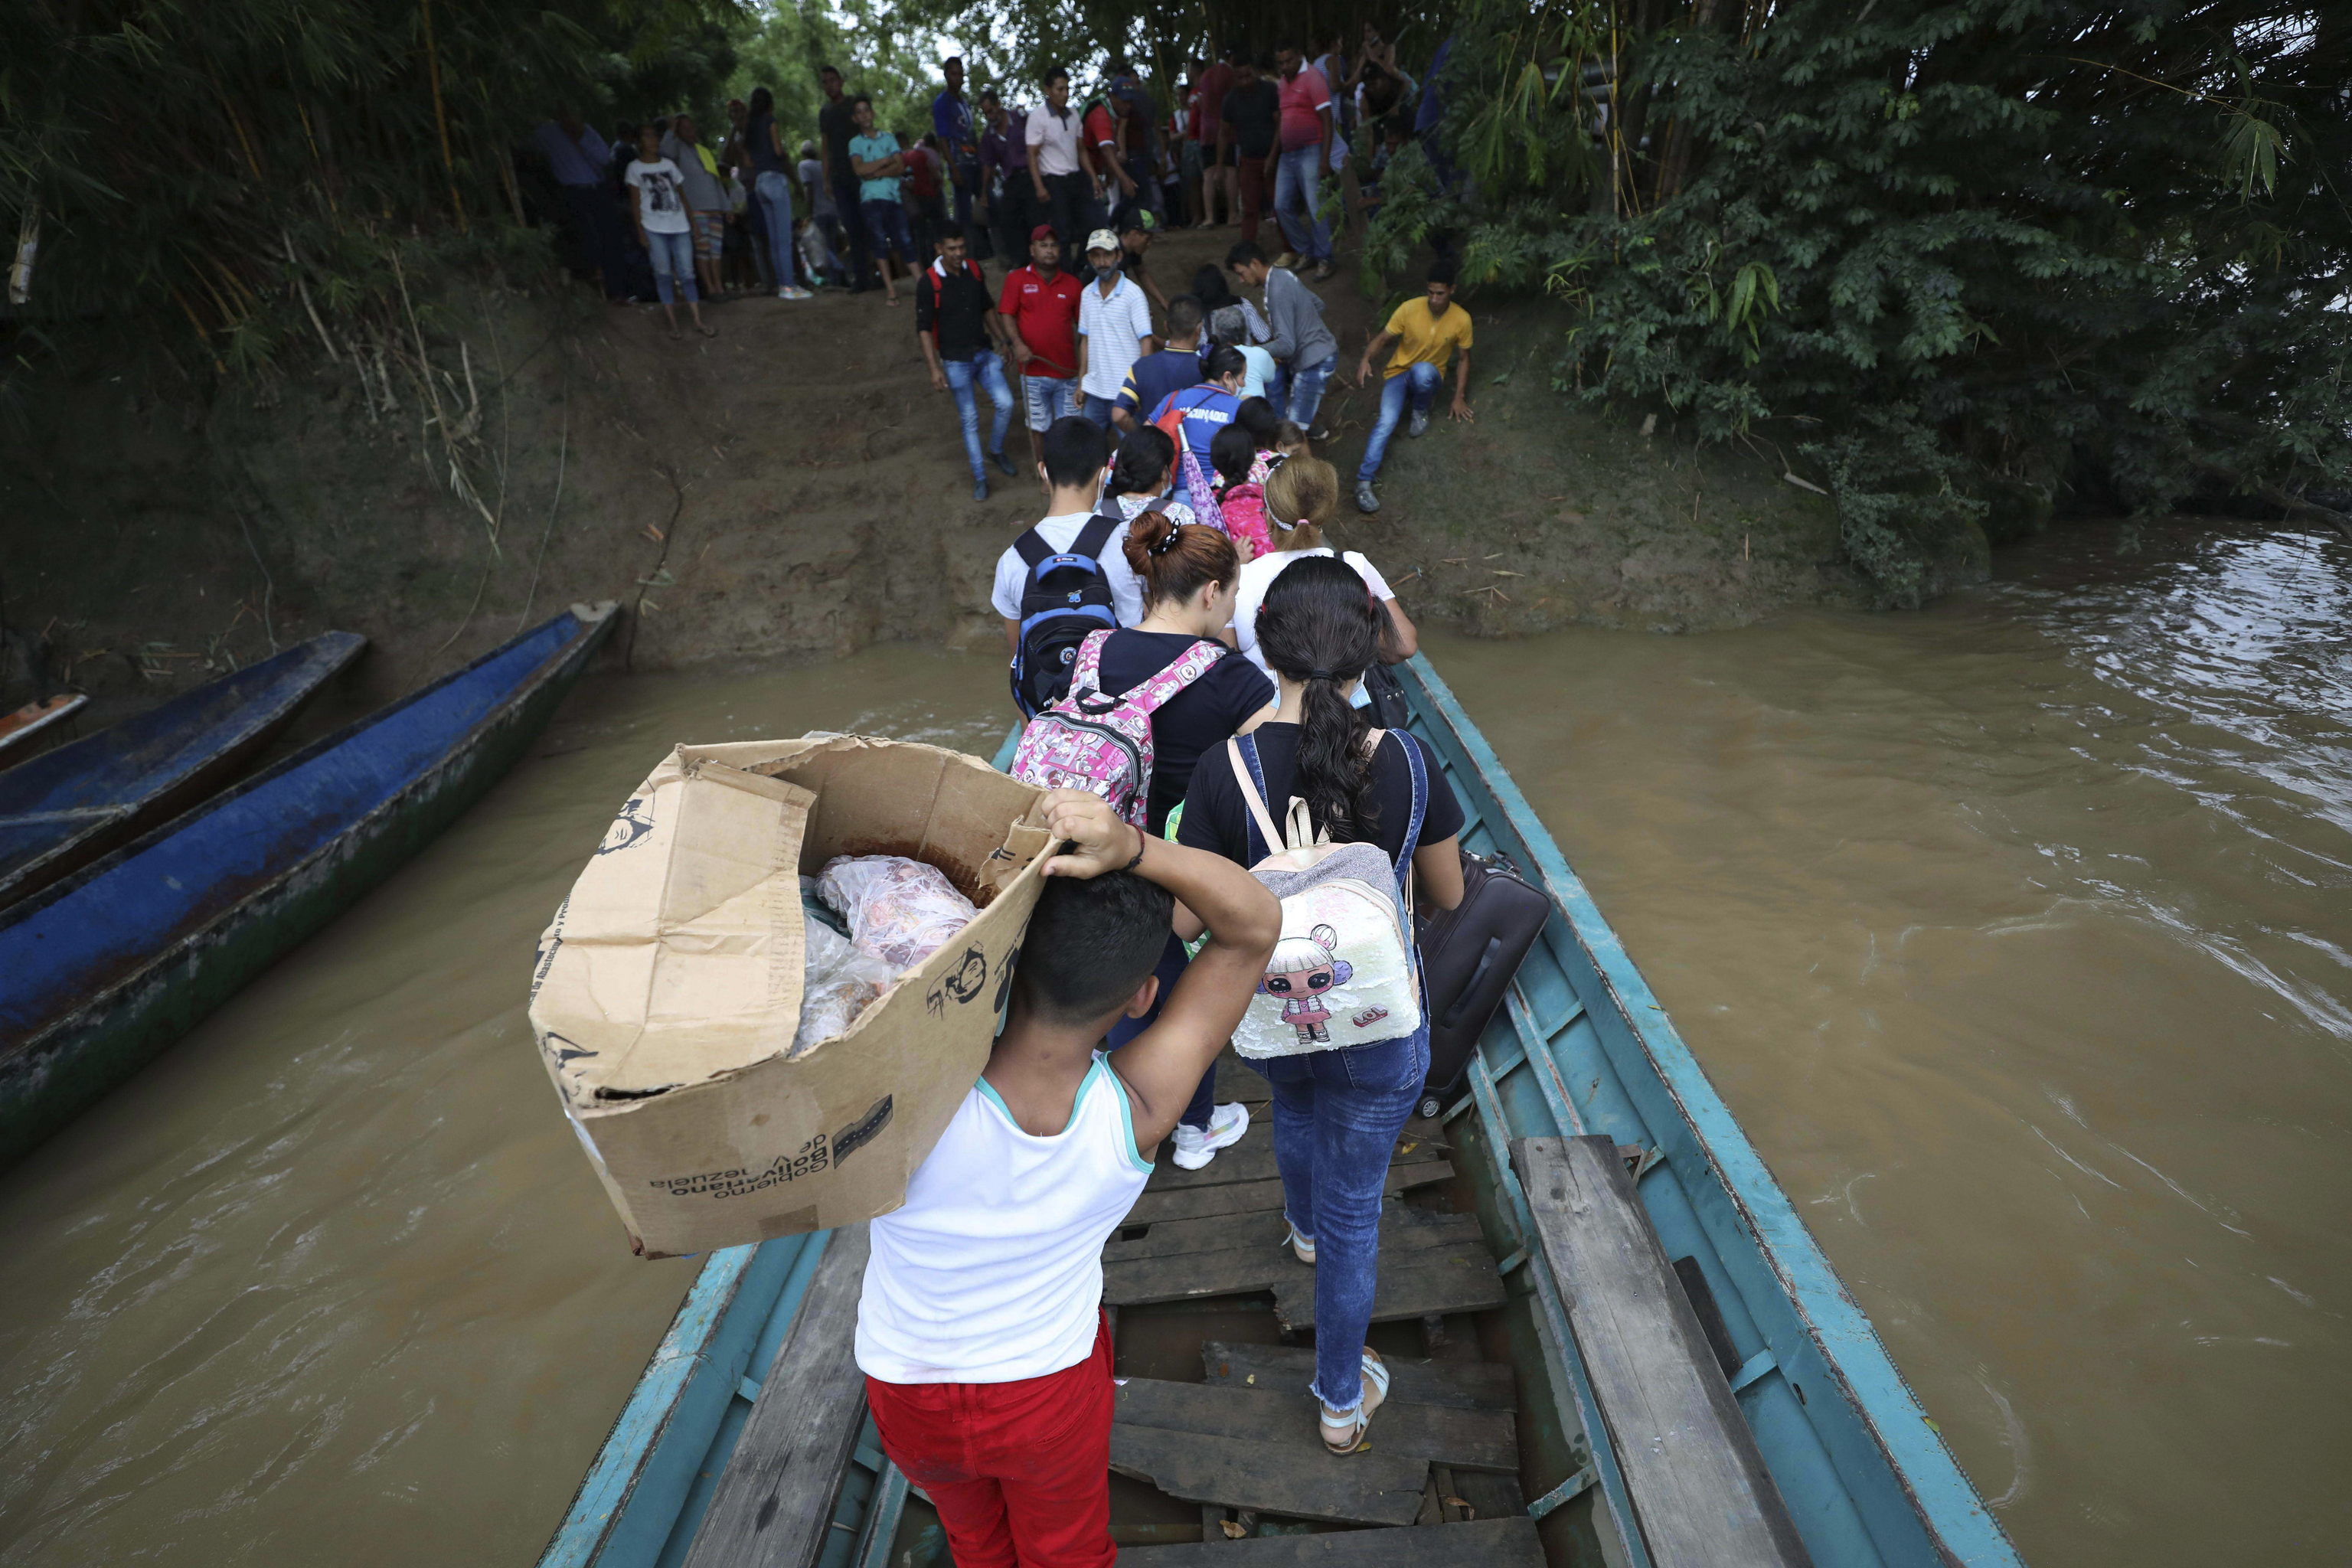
column 1053, row 141
column 661, row 200
column 1114, row 329
column 1060, row 534
column 1258, row 574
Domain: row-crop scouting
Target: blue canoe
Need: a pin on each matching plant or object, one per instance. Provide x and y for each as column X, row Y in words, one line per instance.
column 101, row 971
column 1582, row 1048
column 66, row 807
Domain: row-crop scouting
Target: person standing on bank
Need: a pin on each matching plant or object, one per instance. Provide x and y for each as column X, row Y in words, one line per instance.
column 774, row 184
column 1426, row 331
column 1337, row 1112
column 577, row 158
column 1040, row 306
column 1251, row 112
column 961, row 334
column 1006, row 204
column 1114, row 328
column 1307, row 114
column 1061, row 169
column 875, row 158
column 663, row 227
column 1301, row 343
column 707, row 207
column 958, row 142
column 836, row 128
column 980, row 1326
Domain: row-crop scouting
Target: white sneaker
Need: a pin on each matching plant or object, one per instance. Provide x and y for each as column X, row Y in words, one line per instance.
column 1195, row 1148
column 1419, row 426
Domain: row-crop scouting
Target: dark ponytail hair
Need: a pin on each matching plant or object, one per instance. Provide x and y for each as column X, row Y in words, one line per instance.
column 1174, row 563
column 1319, row 627
column 1231, row 453
column 1143, row 461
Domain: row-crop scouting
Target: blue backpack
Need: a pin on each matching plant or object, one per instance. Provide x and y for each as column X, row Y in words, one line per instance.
column 1068, row 595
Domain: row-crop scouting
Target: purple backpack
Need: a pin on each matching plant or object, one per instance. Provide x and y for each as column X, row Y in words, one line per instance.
column 1102, row 744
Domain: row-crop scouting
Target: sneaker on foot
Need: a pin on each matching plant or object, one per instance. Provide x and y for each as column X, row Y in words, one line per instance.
column 1195, row 1148
column 1287, row 258
column 1419, row 426
column 1003, row 462
column 1324, row 271
column 980, row 489
column 1320, row 433
column 1365, row 499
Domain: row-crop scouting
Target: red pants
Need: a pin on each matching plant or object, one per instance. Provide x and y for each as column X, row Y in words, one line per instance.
column 1019, row 1472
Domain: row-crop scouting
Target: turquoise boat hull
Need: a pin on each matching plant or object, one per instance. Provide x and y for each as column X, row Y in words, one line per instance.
column 1582, row 1047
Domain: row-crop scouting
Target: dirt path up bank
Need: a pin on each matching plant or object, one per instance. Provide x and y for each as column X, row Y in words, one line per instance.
column 791, row 489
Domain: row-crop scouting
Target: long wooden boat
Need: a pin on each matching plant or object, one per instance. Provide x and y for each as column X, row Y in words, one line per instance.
column 101, row 971
column 18, row 728
column 1843, row 1468
column 63, row 809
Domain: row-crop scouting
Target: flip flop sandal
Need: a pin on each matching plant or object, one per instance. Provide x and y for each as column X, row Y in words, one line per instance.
column 708, row 331
column 1350, row 1433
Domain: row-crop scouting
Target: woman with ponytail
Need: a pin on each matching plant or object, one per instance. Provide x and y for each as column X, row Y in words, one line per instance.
column 1302, row 496
column 1337, row 1112
column 1187, row 571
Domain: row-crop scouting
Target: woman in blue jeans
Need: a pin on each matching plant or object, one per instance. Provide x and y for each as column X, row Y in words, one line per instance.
column 1337, row 1112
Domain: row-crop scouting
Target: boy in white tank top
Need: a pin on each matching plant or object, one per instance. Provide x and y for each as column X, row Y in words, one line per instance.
column 980, row 1328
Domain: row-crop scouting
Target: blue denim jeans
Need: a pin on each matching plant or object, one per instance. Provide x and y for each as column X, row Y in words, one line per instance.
column 1047, row 398
column 671, row 253
column 986, row 369
column 1170, row 970
column 1307, row 391
column 1337, row 1115
column 1420, row 381
column 1298, row 183
column 1097, row 409
column 776, row 206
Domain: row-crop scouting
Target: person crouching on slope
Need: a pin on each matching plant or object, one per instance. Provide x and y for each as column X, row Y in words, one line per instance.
column 980, row 1331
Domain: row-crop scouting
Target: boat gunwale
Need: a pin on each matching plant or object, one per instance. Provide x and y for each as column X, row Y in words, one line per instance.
column 460, row 750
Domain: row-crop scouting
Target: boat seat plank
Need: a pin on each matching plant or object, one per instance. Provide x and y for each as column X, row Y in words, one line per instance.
column 773, row 1503
column 1367, row 1488
column 1459, row 1276
column 1267, row 1230
column 1466, row 1439
column 1701, row 1495
column 1481, row 1543
column 1252, row 1160
column 1250, row 1197
column 1457, row 1384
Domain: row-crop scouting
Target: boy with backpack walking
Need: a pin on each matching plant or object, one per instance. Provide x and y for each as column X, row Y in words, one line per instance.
column 979, row 1327
column 1067, row 575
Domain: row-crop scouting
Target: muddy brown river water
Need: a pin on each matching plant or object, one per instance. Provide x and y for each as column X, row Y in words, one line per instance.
column 2015, row 931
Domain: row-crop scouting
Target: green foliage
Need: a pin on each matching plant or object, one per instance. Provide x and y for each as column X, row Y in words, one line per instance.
column 783, row 48
column 1939, row 250
column 227, row 176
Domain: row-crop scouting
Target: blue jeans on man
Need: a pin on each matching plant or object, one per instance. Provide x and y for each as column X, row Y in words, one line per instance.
column 846, row 205
column 1298, row 183
column 1337, row 1116
column 1418, row 382
column 1097, row 409
column 1306, row 390
column 985, row 370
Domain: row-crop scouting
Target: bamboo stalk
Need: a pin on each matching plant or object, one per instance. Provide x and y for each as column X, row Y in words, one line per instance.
column 441, row 116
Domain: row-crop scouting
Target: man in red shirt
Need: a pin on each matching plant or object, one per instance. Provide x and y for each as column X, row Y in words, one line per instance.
column 1305, row 140
column 1040, row 306
column 1217, row 175
column 923, row 184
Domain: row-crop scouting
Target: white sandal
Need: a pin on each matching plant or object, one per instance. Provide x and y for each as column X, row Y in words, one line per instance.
column 1350, row 1434
column 1302, row 1247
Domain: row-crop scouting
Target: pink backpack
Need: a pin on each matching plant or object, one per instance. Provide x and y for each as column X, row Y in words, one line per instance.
column 1099, row 743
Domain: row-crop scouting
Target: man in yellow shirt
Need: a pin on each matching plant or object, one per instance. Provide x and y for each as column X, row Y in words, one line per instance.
column 1427, row 332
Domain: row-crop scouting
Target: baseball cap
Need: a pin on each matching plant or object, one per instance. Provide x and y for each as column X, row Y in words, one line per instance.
column 1102, row 240
column 1136, row 218
column 1042, row 231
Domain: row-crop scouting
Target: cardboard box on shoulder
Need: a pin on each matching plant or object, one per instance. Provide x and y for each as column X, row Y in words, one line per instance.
column 669, row 987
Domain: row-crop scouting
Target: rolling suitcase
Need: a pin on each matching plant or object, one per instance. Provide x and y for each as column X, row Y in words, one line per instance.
column 1468, row 956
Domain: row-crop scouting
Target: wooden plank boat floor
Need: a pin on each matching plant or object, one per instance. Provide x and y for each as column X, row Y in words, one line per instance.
column 1483, row 1544
column 1285, row 1417
column 1459, row 1384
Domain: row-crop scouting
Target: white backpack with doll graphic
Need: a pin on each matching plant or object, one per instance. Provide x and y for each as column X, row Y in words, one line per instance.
column 1344, row 972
